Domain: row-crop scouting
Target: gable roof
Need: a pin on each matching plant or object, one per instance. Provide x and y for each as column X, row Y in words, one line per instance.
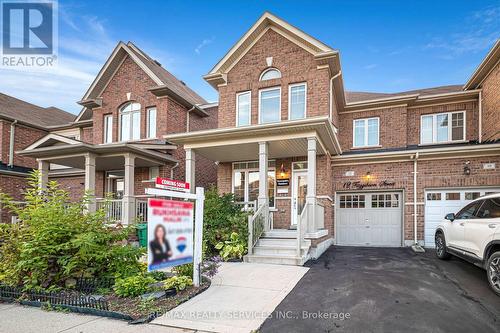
column 267, row 21
column 484, row 68
column 162, row 78
column 30, row 114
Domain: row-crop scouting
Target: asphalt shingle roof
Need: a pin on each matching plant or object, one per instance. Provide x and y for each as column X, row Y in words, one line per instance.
column 359, row 96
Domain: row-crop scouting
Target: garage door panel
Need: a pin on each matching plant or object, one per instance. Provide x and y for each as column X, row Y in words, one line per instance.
column 438, row 203
column 372, row 223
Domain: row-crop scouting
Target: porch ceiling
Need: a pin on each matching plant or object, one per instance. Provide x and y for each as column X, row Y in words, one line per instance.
column 285, row 139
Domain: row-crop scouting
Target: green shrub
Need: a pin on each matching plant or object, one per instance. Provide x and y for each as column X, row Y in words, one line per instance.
column 221, row 218
column 183, row 270
column 178, row 282
column 133, row 285
column 233, row 248
column 55, row 240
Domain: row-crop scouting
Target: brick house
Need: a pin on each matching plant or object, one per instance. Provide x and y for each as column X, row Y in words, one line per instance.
column 115, row 145
column 21, row 124
column 326, row 166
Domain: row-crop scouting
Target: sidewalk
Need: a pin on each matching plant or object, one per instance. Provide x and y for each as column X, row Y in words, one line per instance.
column 24, row 319
column 240, row 298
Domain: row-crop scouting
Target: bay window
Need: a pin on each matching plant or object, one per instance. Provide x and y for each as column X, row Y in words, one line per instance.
column 243, row 108
column 297, row 101
column 269, row 105
column 246, row 181
column 130, row 122
column 442, row 127
column 366, row 132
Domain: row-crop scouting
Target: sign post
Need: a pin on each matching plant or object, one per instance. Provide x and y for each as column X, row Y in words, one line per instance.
column 181, row 212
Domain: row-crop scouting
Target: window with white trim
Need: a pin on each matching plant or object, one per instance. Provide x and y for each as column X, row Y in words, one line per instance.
column 246, row 181
column 130, row 122
column 243, row 108
column 297, row 101
column 365, row 132
column 151, row 112
column 442, row 127
column 108, row 128
column 269, row 74
column 269, row 105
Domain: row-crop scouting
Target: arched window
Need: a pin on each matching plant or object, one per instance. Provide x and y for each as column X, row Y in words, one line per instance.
column 130, row 121
column 269, row 74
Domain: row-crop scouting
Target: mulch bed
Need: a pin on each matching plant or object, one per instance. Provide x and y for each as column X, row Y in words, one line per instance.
column 139, row 310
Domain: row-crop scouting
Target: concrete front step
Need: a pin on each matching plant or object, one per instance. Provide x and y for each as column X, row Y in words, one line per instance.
column 275, row 259
column 282, row 242
column 279, row 250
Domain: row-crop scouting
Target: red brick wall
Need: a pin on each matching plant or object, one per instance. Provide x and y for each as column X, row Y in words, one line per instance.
column 296, row 65
column 15, row 187
column 471, row 115
column 392, row 127
column 431, row 174
column 24, row 136
column 75, row 186
column 87, row 135
column 491, row 105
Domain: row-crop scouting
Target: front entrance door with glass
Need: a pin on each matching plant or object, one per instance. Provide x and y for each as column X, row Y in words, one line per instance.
column 115, row 183
column 299, row 193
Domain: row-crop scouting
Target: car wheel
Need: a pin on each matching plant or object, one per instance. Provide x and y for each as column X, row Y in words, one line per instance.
column 493, row 272
column 441, row 247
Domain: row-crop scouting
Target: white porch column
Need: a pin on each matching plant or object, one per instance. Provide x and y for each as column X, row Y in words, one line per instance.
column 263, row 166
column 90, row 181
column 128, row 211
column 190, row 169
column 43, row 168
column 311, row 181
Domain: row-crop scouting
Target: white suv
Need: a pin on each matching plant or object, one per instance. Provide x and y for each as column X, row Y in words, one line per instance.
column 473, row 234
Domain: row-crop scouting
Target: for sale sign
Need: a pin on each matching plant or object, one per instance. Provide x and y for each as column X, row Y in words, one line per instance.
column 170, row 233
column 171, row 184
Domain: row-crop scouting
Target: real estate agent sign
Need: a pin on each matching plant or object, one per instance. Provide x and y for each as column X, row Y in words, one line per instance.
column 170, row 233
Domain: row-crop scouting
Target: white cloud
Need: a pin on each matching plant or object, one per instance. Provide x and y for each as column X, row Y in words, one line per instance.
column 370, row 66
column 205, row 42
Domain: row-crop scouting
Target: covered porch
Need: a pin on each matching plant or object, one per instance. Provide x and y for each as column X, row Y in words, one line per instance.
column 276, row 166
column 117, row 162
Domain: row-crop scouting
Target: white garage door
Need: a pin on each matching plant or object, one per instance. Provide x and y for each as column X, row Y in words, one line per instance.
column 438, row 203
column 369, row 219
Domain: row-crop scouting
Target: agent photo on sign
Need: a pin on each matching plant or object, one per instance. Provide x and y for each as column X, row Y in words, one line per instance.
column 160, row 247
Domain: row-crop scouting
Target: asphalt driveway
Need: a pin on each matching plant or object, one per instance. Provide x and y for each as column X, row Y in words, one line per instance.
column 387, row 290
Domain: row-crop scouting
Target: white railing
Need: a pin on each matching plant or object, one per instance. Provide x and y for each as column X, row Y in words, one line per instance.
column 247, row 206
column 302, row 227
column 319, row 216
column 258, row 223
column 141, row 210
column 112, row 209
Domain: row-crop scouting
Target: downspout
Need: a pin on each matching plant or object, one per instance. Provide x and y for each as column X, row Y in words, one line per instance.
column 416, row 247
column 187, row 119
column 11, row 143
column 172, row 170
column 331, row 93
column 480, row 116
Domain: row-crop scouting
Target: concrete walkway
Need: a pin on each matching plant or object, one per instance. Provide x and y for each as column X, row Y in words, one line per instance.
column 241, row 297
column 24, row 319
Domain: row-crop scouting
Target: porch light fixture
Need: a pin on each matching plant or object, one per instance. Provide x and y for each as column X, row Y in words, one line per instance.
column 368, row 176
column 467, row 168
column 283, row 173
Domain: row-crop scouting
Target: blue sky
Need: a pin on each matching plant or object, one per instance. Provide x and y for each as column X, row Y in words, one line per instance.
column 385, row 46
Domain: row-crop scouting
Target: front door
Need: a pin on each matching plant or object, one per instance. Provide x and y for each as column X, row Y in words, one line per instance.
column 299, row 193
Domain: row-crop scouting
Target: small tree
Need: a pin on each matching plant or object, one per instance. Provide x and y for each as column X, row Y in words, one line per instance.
column 55, row 241
column 221, row 218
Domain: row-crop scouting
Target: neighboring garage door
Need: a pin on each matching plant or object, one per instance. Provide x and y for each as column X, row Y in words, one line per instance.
column 369, row 219
column 438, row 203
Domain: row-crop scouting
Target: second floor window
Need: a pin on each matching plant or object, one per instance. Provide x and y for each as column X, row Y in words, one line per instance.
column 442, row 127
column 151, row 123
column 130, row 122
column 297, row 101
column 366, row 132
column 243, row 108
column 108, row 128
column 269, row 105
